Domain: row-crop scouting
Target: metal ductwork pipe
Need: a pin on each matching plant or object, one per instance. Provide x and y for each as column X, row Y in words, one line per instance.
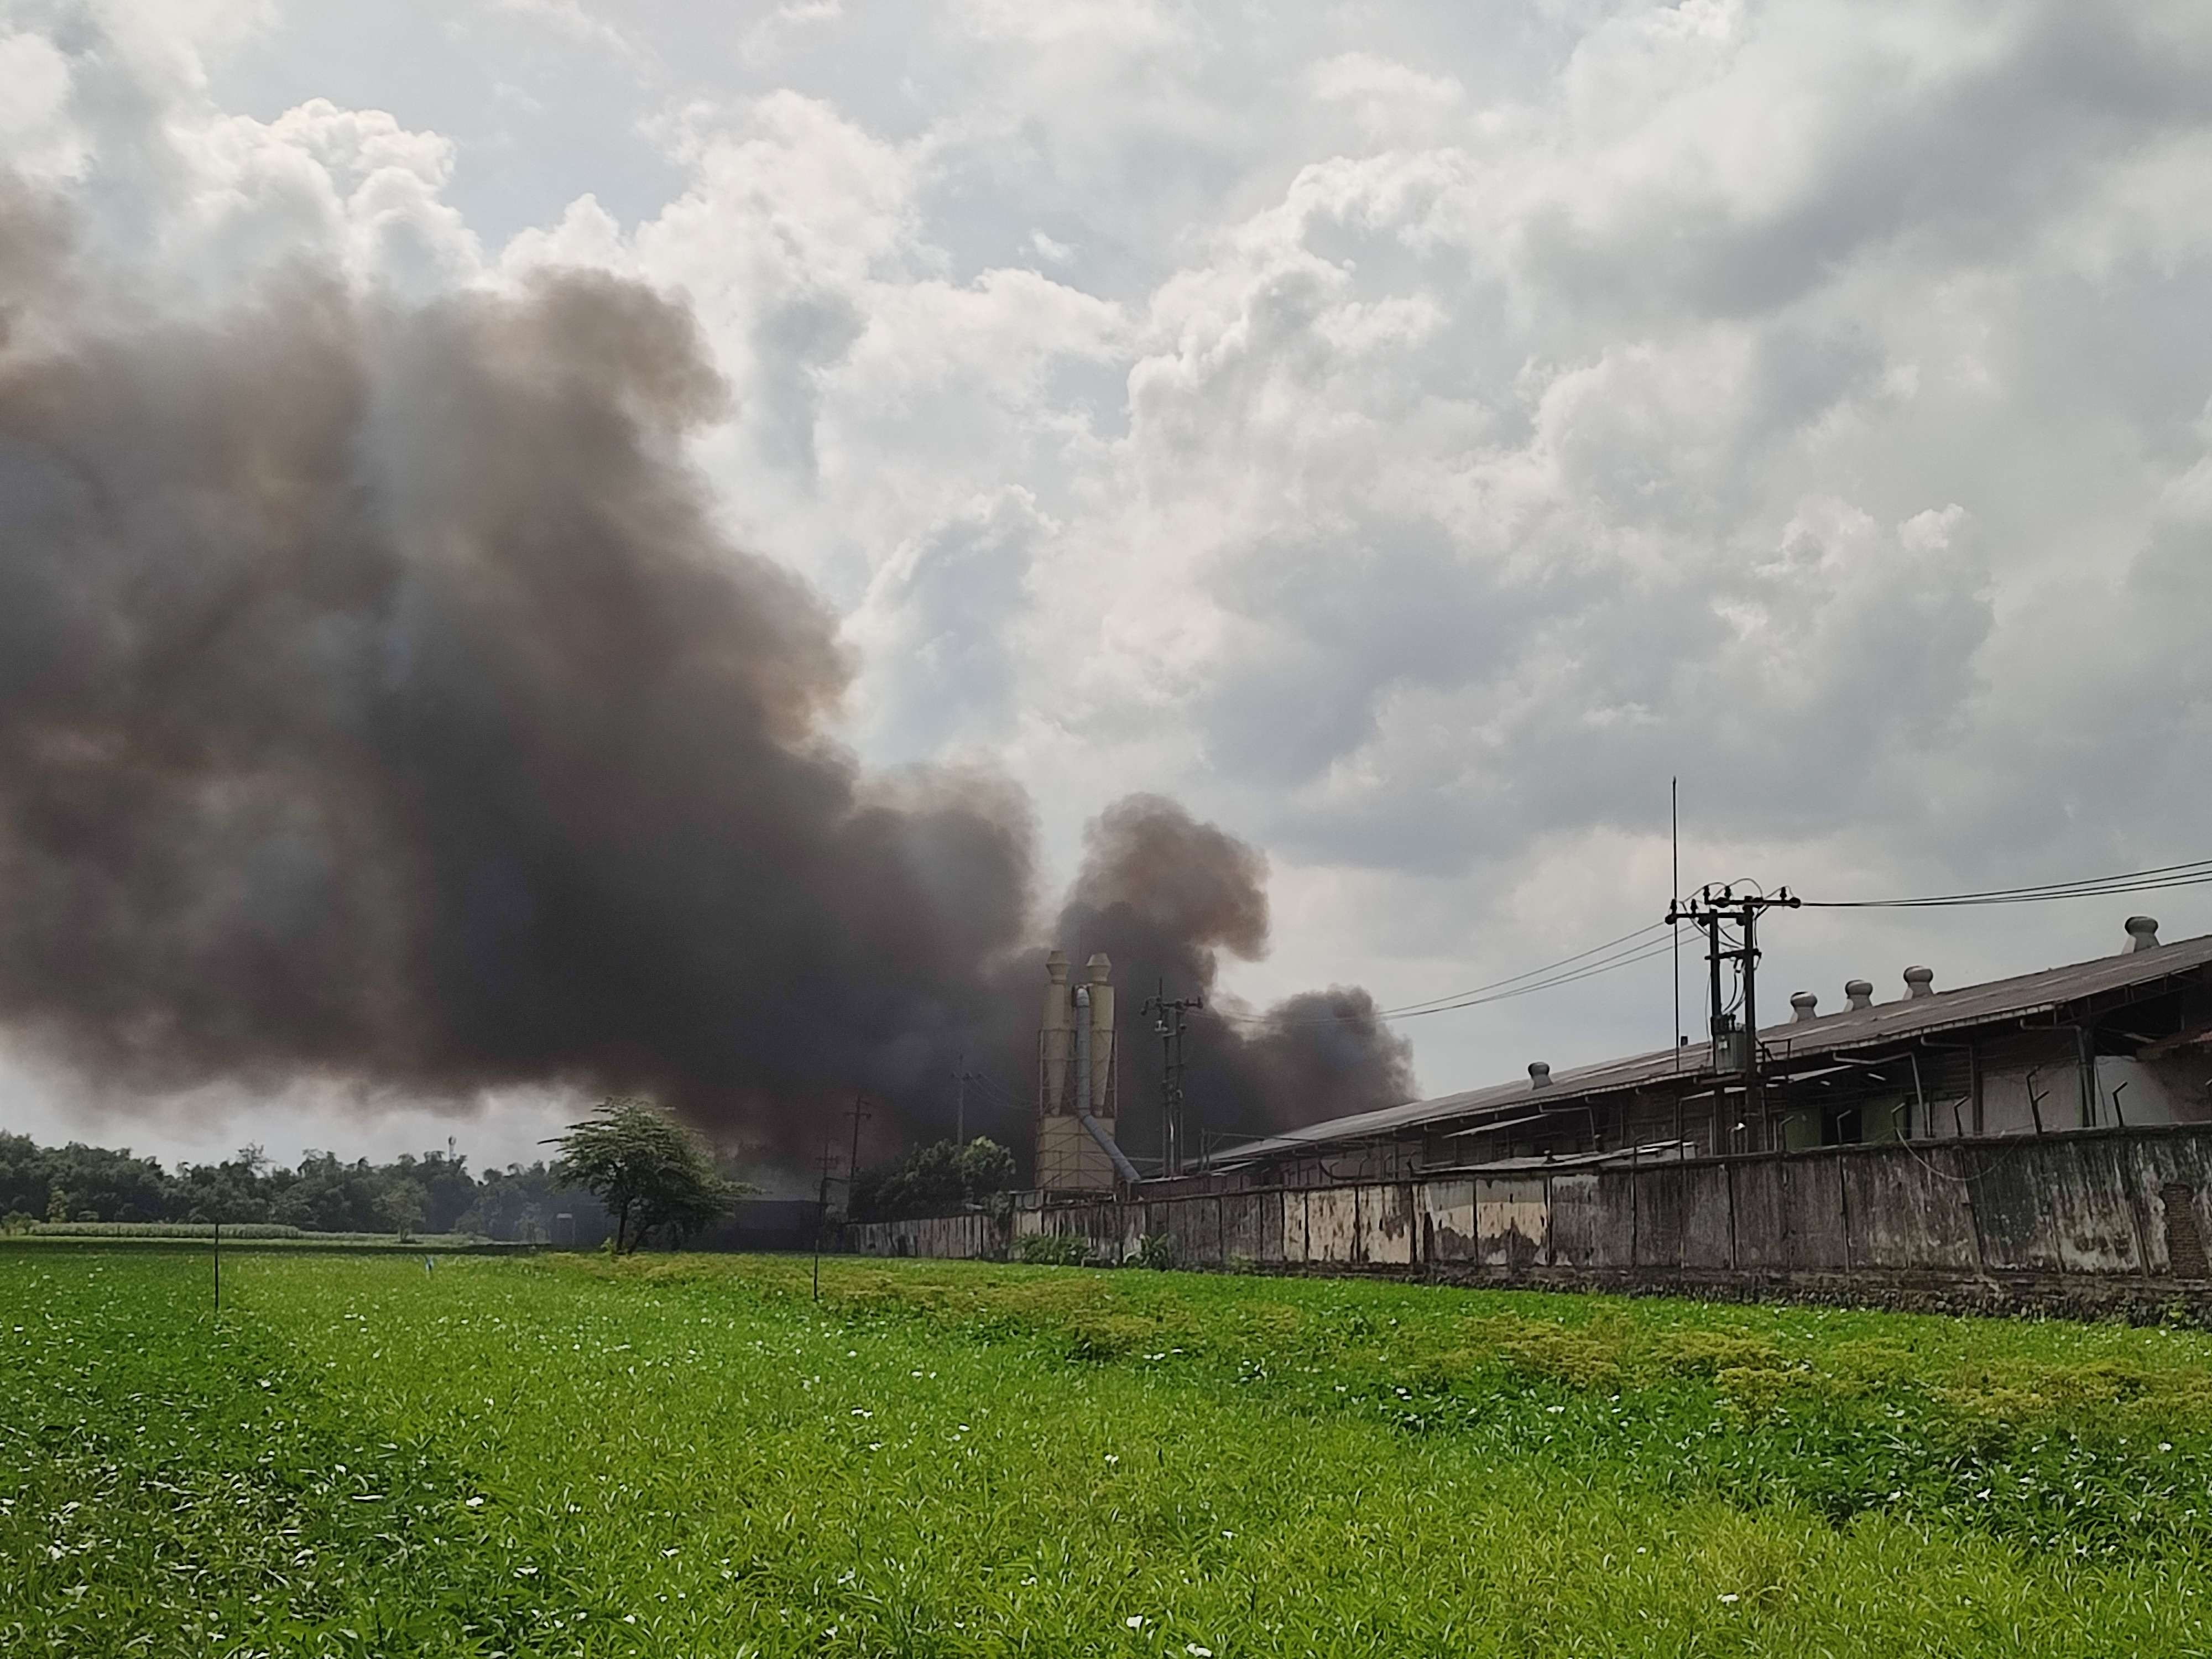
column 1083, row 1052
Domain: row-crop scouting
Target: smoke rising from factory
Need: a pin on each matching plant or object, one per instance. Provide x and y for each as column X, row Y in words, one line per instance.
column 379, row 702
column 1166, row 897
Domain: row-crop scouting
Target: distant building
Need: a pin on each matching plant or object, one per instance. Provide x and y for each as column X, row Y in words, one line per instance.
column 2043, row 1143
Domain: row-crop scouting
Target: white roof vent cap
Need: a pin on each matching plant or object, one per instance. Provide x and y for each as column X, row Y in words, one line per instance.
column 2143, row 934
column 1859, row 993
column 1539, row 1074
column 1802, row 1005
column 1919, row 981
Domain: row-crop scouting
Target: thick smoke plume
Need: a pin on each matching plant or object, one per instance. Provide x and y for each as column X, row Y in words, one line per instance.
column 379, row 703
column 1166, row 896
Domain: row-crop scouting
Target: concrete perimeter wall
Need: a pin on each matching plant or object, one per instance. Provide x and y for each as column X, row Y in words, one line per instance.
column 2080, row 1215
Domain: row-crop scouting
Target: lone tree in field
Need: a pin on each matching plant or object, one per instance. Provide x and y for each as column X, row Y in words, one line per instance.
column 649, row 1170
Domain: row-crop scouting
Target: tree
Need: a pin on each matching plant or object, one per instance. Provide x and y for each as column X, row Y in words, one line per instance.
column 402, row 1207
column 939, row 1179
column 649, row 1170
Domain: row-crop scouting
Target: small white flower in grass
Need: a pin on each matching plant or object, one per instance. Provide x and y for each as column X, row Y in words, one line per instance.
column 1135, row 1621
column 2165, row 1445
column 1112, row 1458
column 1196, row 1651
column 475, row 1502
column 1731, row 1597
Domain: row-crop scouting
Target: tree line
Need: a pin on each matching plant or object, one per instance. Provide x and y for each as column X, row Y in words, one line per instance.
column 628, row 1174
column 436, row 1193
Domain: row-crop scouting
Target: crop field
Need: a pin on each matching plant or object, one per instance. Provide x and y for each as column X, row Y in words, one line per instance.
column 687, row 1456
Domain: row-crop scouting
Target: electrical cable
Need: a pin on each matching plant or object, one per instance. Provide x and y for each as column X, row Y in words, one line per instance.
column 1514, row 979
column 2194, row 872
column 1631, row 948
column 1438, row 1005
column 1646, row 951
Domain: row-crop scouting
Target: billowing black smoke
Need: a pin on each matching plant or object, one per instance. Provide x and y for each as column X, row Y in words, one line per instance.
column 379, row 703
column 1165, row 897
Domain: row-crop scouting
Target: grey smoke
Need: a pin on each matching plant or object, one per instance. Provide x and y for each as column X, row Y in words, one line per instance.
column 379, row 703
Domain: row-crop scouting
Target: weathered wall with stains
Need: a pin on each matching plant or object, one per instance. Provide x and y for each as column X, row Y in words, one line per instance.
column 2113, row 1206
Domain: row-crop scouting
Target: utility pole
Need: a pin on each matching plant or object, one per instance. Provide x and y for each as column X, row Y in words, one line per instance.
column 1675, row 845
column 822, row 1213
column 852, row 1168
column 1170, row 1019
column 960, row 1101
column 1713, row 909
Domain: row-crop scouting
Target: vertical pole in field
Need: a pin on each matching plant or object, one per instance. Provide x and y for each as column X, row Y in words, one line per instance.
column 218, row 1269
column 821, row 1214
column 852, row 1165
column 960, row 1101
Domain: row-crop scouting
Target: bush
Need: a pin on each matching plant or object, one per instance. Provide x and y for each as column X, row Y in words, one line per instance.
column 1054, row 1250
column 1158, row 1250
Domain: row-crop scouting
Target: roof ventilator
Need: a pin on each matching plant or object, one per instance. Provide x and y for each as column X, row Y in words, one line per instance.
column 1803, row 1005
column 2143, row 934
column 1920, row 982
column 1858, row 994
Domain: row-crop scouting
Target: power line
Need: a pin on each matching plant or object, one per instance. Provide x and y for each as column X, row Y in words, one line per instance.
column 1632, row 948
column 2194, row 872
column 1428, row 1004
column 1502, row 990
column 1437, row 1005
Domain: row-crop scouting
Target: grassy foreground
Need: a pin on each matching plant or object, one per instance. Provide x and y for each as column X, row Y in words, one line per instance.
column 687, row 1457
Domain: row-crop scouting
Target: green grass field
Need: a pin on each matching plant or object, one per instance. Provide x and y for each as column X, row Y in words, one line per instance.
column 687, row 1457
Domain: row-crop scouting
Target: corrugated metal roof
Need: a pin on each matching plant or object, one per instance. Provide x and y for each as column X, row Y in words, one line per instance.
column 2025, row 995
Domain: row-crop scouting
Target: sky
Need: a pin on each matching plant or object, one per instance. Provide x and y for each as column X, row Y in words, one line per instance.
column 1408, row 436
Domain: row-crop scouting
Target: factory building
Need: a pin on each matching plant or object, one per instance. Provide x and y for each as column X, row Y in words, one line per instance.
column 2122, row 1040
column 2042, row 1141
